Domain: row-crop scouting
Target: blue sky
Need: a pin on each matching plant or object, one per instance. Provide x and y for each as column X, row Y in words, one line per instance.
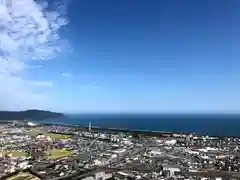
column 144, row 56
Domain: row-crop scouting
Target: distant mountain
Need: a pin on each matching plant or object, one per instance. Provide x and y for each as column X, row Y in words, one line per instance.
column 32, row 114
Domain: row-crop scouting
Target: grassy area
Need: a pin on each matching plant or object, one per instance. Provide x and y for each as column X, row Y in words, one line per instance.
column 15, row 153
column 35, row 131
column 23, row 176
column 59, row 136
column 40, row 130
column 58, row 153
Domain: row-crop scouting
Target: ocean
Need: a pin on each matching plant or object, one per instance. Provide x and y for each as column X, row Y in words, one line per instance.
column 211, row 124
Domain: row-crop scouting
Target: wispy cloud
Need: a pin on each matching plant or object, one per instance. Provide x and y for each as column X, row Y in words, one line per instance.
column 34, row 66
column 65, row 74
column 28, row 31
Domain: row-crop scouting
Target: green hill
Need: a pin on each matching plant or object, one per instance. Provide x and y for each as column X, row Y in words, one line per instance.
column 28, row 114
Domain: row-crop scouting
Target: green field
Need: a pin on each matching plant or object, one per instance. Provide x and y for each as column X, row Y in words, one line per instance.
column 40, row 130
column 59, row 136
column 15, row 153
column 23, row 176
column 58, row 153
column 35, row 131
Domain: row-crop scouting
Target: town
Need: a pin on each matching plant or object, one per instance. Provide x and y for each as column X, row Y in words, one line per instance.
column 56, row 152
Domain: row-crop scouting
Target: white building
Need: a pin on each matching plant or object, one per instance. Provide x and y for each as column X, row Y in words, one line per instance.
column 119, row 151
column 99, row 176
column 172, row 171
column 171, row 142
column 155, row 153
column 30, row 123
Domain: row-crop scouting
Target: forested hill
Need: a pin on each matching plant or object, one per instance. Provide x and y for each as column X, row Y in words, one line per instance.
column 28, row 114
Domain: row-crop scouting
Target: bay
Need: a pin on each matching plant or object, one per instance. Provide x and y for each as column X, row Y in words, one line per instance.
column 212, row 124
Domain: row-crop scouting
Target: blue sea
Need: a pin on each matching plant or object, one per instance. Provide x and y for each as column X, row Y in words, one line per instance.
column 212, row 124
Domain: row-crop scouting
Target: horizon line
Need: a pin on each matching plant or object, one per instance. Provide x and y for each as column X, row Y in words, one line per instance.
column 152, row 113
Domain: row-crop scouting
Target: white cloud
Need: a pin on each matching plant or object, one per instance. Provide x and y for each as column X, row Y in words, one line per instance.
column 34, row 66
column 28, row 31
column 65, row 74
column 16, row 94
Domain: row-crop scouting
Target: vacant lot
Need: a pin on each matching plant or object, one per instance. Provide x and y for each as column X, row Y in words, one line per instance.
column 58, row 153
